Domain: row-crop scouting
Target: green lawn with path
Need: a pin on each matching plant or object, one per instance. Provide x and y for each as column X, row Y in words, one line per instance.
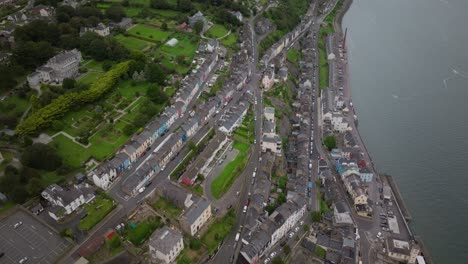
column 90, row 77
column 148, row 33
column 217, row 31
column 96, row 211
column 226, row 178
column 230, row 41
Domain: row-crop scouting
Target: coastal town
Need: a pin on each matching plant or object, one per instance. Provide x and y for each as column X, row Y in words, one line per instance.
column 188, row 132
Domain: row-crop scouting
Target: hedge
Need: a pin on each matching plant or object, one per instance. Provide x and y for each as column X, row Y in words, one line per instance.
column 61, row 105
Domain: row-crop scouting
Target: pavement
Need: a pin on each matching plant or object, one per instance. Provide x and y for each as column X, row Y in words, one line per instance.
column 31, row 239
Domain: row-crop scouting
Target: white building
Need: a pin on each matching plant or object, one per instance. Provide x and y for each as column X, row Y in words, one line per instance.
column 268, row 78
column 338, row 123
column 165, row 244
column 104, row 175
column 101, row 29
column 66, row 201
column 402, row 251
column 196, row 217
column 64, row 65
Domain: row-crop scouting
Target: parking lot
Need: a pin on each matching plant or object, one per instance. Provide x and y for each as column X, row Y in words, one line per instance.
column 31, row 239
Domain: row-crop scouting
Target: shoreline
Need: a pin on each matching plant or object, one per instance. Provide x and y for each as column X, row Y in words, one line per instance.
column 404, row 211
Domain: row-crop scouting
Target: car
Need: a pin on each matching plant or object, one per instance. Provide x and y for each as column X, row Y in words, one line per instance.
column 17, row 224
column 296, row 229
column 302, row 222
column 291, row 234
column 266, row 260
column 141, row 190
column 255, row 141
column 245, row 209
column 379, row 235
column 23, row 260
column 237, row 193
column 250, row 193
column 273, row 254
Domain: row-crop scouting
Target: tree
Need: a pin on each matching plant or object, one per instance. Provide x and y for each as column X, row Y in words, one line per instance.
column 306, row 228
column 156, row 95
column 68, row 83
column 41, row 156
column 154, row 73
column 31, row 54
column 195, row 244
column 128, row 130
column 286, row 250
column 316, row 217
column 115, row 12
column 67, row 232
column 330, row 142
column 192, row 146
column 164, row 26
column 184, row 5
column 160, row 4
column 277, row 260
column 180, row 59
column 198, row 27
column 114, row 242
column 34, row 186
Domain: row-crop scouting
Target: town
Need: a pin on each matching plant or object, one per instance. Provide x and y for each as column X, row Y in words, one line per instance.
column 154, row 131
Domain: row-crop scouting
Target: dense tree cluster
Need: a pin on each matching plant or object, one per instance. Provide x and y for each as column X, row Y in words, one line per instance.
column 61, row 105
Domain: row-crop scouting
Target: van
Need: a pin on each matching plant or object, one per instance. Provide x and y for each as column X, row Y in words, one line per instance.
column 245, row 209
column 237, row 237
column 253, row 175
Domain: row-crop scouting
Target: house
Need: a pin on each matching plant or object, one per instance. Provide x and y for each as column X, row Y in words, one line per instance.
column 401, row 250
column 101, row 29
column 6, row 2
column 238, row 15
column 233, row 118
column 366, row 174
column 193, row 219
column 268, row 78
column 126, row 23
column 282, row 75
column 120, row 162
column 104, row 175
column 63, row 65
column 211, row 45
column 272, row 143
column 41, row 12
column 3, row 198
column 175, row 194
column 354, row 188
column 269, row 113
column 133, row 183
column 338, row 123
column 131, row 151
column 190, row 127
column 197, row 17
column 66, row 200
column 165, row 244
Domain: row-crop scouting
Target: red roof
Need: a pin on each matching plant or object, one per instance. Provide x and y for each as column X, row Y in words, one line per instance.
column 362, row 164
column 187, row 181
column 109, row 235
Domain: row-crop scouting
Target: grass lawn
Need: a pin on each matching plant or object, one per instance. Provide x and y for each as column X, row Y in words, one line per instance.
column 230, row 41
column 72, row 154
column 148, row 33
column 51, row 177
column 6, row 206
column 106, row 142
column 142, row 231
column 96, row 211
column 129, row 88
column 90, row 77
column 132, row 43
column 323, row 65
column 187, row 45
column 132, row 11
column 217, row 31
column 14, row 105
column 225, row 179
column 167, row 208
column 293, row 55
column 218, row 231
column 166, row 13
column 170, row 91
column 93, row 65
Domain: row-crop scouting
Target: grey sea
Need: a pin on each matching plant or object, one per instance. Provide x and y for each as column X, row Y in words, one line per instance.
column 408, row 65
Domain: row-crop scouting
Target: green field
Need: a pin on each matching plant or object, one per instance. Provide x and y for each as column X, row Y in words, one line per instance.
column 218, row 231
column 230, row 41
column 168, row 209
column 14, row 105
column 142, row 231
column 217, row 31
column 132, row 43
column 226, row 178
column 90, row 77
column 96, row 210
column 148, row 33
column 93, row 65
column 293, row 55
column 186, row 45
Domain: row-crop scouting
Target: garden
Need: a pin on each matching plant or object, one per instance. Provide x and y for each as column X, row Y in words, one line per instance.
column 132, row 43
column 96, row 211
column 137, row 233
column 148, row 33
column 218, row 231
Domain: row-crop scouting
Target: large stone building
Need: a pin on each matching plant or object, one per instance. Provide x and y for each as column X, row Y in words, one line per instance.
column 63, row 65
column 196, row 216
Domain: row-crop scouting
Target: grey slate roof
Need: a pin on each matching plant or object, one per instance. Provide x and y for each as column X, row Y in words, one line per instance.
column 165, row 239
column 194, row 212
